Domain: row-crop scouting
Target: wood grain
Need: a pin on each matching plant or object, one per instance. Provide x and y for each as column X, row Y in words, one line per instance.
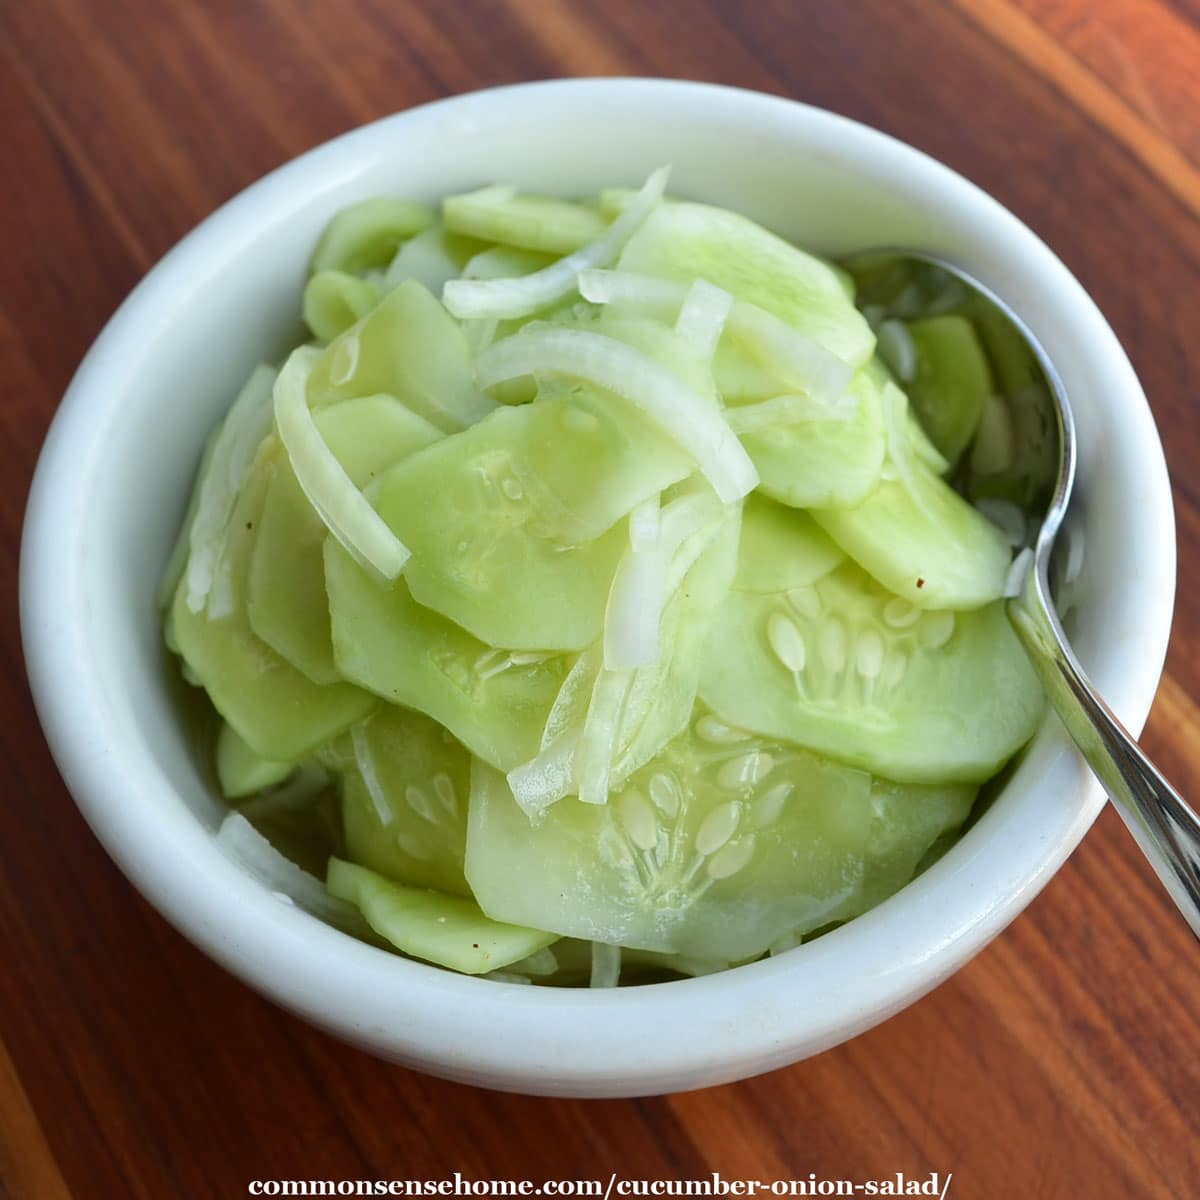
column 1062, row 1062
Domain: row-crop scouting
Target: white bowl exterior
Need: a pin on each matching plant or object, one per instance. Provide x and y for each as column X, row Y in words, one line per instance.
column 111, row 487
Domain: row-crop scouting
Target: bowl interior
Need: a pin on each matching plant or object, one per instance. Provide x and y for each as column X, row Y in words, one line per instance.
column 119, row 463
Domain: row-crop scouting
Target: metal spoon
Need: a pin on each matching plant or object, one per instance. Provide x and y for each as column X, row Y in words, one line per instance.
column 1168, row 831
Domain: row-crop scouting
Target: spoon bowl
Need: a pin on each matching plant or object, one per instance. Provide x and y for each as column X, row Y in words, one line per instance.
column 1164, row 826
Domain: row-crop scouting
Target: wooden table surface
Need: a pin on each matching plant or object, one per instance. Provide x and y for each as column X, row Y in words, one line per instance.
column 1063, row 1062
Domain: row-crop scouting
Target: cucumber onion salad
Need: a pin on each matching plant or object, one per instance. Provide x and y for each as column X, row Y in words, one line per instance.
column 600, row 596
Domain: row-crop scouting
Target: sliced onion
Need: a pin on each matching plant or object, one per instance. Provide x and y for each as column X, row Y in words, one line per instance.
column 345, row 511
column 635, row 605
column 523, row 295
column 702, row 318
column 606, row 965
column 546, row 778
column 246, row 424
column 683, row 414
column 627, row 288
column 644, row 523
column 570, row 705
column 247, row 847
column 785, row 410
column 639, row 588
column 799, row 361
column 364, row 760
column 598, row 742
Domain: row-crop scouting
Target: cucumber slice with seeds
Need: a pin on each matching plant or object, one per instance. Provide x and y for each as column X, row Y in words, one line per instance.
column 851, row 670
column 718, row 848
column 405, row 785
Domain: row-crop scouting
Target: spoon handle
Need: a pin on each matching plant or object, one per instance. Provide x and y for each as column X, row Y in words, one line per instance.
column 1166, row 829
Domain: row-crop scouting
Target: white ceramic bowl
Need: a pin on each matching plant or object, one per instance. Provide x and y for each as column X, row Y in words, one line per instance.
column 118, row 462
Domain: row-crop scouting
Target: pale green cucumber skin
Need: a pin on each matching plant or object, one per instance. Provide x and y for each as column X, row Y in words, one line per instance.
column 407, row 654
column 278, row 711
column 287, row 604
column 685, row 861
column 447, row 930
column 948, row 713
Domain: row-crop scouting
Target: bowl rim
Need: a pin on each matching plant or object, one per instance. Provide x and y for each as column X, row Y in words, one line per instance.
column 653, row 1038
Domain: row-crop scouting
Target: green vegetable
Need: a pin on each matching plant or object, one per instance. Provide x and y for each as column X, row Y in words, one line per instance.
column 446, row 930
column 599, row 599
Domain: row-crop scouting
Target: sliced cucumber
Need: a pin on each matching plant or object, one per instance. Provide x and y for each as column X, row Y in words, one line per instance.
column 951, row 384
column 918, row 440
column 367, row 234
column 718, row 848
column 447, row 930
column 335, row 300
column 408, row 347
column 923, row 541
column 241, row 771
column 279, row 712
column 286, row 598
column 827, row 462
column 501, row 214
column 848, row 669
column 690, row 241
column 405, row 784
column 494, row 520
column 504, row 262
column 781, row 548
column 739, row 378
column 494, row 702
column 432, row 258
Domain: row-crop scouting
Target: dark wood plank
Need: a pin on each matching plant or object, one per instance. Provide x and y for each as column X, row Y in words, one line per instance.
column 1057, row 1064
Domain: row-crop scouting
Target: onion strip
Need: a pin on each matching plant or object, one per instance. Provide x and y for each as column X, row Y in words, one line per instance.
column 524, row 295
column 246, row 424
column 345, row 511
column 798, row 360
column 702, row 318
column 682, row 413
